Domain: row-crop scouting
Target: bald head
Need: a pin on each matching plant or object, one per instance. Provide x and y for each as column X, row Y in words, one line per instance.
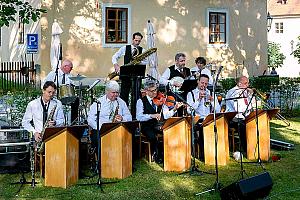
column 67, row 66
column 243, row 82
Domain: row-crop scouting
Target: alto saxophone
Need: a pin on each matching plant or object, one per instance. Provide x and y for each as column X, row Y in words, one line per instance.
column 40, row 144
column 116, row 113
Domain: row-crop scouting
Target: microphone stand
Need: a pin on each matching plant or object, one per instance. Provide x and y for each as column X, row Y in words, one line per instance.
column 99, row 182
column 217, row 184
column 193, row 169
column 259, row 161
column 57, row 67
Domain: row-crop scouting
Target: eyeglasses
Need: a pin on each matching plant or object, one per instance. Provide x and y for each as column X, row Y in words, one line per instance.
column 154, row 90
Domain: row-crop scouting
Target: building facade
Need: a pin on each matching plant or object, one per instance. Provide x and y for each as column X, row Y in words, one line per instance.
column 228, row 32
column 284, row 31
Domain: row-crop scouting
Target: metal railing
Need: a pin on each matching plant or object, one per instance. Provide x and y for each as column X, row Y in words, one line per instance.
column 17, row 75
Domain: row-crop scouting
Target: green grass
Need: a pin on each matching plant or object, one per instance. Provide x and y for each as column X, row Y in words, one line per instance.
column 149, row 181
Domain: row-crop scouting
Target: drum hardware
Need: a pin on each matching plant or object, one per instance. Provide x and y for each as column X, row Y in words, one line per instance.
column 77, row 78
column 67, row 94
column 82, row 112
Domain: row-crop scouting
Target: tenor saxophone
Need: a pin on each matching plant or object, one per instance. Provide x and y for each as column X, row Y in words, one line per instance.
column 40, row 144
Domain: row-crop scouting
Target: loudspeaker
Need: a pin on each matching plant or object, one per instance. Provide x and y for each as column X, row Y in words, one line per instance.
column 258, row 186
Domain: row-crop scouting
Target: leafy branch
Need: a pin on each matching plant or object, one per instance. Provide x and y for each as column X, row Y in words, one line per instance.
column 11, row 8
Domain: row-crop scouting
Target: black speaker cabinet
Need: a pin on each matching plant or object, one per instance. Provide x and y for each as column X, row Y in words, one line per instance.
column 258, row 186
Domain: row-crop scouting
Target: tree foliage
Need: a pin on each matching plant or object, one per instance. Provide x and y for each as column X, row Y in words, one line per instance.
column 10, row 9
column 296, row 52
column 275, row 57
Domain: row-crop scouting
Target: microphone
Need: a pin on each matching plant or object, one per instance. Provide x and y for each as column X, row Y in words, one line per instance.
column 60, row 52
column 220, row 69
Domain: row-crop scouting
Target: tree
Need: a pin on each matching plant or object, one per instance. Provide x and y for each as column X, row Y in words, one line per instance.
column 296, row 52
column 10, row 8
column 275, row 57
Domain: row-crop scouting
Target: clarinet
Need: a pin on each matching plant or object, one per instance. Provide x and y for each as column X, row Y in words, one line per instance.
column 32, row 163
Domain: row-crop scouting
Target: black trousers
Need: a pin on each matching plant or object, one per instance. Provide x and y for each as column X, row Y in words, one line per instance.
column 199, row 138
column 240, row 126
column 151, row 133
column 132, row 84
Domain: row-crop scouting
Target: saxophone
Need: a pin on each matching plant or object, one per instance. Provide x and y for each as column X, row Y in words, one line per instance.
column 135, row 60
column 115, row 113
column 40, row 144
column 139, row 58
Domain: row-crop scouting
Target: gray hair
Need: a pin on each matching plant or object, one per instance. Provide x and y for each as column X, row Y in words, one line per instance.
column 178, row 55
column 149, row 84
column 112, row 86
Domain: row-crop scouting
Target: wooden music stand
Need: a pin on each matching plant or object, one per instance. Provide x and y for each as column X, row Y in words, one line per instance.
column 264, row 117
column 62, row 155
column 222, row 120
column 116, row 149
column 177, row 144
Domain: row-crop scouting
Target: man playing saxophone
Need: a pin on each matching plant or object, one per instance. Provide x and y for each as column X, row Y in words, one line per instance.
column 37, row 111
column 110, row 107
column 129, row 52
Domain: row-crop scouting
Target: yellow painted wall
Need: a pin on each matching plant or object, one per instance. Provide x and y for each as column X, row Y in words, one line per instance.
column 180, row 26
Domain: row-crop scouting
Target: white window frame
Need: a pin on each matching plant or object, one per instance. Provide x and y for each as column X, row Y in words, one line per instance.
column 221, row 10
column 115, row 5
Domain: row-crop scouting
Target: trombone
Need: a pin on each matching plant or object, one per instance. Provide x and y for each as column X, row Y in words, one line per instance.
column 265, row 104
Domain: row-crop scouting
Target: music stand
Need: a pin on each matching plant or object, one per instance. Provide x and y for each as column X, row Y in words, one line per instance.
column 135, row 73
column 188, row 85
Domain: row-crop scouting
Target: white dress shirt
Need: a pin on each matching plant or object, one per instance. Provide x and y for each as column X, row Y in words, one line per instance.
column 34, row 112
column 106, row 107
column 240, row 104
column 198, row 105
column 203, row 71
column 140, row 116
column 121, row 52
column 164, row 79
column 51, row 77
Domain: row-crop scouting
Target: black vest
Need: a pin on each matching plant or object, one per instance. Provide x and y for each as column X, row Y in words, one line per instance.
column 148, row 109
column 174, row 72
column 128, row 55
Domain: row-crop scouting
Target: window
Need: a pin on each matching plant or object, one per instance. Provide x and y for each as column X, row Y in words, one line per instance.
column 279, row 27
column 217, row 28
column 21, row 32
column 116, row 24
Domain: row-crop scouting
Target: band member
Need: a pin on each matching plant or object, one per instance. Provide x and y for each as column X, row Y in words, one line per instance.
column 200, row 68
column 38, row 110
column 64, row 72
column 151, row 116
column 239, row 99
column 129, row 52
column 178, row 69
column 111, row 108
column 201, row 101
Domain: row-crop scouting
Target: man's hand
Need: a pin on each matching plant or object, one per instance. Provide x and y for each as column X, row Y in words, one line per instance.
column 117, row 67
column 51, row 123
column 118, row 118
column 37, row 136
column 156, row 116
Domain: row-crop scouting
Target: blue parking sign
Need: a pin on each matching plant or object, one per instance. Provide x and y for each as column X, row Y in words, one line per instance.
column 32, row 43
